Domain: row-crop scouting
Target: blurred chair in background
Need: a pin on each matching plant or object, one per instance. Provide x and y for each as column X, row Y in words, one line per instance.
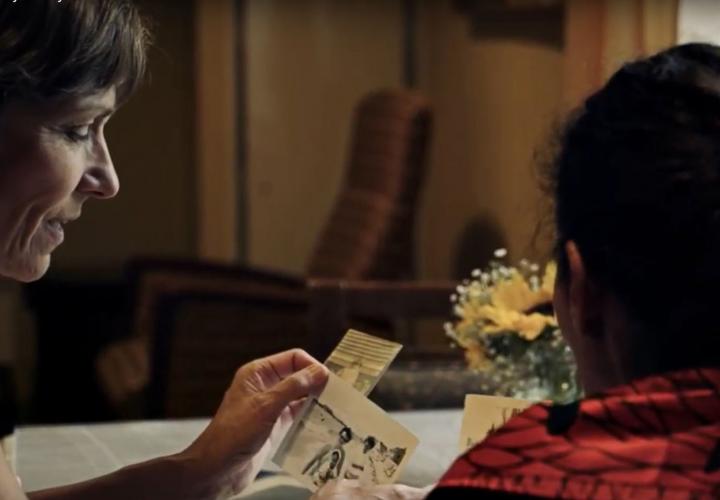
column 370, row 233
column 237, row 306
column 196, row 322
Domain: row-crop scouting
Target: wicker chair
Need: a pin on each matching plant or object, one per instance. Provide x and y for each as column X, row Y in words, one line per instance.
column 370, row 233
column 202, row 320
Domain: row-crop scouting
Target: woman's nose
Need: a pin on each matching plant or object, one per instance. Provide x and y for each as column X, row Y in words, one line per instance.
column 100, row 180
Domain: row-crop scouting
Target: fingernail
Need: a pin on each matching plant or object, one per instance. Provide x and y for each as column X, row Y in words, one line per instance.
column 316, row 370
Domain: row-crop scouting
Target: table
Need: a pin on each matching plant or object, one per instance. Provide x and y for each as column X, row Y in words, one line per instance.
column 55, row 455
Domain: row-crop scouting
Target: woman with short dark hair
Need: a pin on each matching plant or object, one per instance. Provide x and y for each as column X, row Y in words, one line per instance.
column 65, row 67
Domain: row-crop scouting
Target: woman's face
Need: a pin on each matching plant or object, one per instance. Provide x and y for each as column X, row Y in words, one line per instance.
column 53, row 158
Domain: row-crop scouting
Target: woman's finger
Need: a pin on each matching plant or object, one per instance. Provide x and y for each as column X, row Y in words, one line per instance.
column 286, row 363
column 310, row 380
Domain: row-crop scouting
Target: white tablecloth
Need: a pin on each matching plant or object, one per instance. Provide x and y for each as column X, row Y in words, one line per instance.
column 51, row 456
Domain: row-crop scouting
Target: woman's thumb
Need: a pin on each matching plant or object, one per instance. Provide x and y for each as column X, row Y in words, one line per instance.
column 308, row 381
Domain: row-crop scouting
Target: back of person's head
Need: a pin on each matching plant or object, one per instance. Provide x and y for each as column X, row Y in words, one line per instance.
column 52, row 49
column 636, row 186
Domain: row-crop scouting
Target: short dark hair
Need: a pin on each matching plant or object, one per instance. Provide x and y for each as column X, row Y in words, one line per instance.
column 50, row 49
column 636, row 185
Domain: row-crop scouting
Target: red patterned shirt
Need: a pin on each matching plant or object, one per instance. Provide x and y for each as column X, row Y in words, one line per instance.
column 655, row 438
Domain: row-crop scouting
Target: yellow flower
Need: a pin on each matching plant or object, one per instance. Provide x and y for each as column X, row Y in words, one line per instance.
column 515, row 294
column 512, row 304
column 548, row 283
column 475, row 357
column 528, row 326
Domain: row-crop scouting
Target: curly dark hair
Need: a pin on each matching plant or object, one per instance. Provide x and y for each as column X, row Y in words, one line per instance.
column 50, row 49
column 636, row 185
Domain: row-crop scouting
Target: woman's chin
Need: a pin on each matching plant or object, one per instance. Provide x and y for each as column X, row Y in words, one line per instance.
column 26, row 271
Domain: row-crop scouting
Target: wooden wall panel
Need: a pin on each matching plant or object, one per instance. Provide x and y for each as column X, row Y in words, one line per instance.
column 584, row 49
column 600, row 35
column 216, row 129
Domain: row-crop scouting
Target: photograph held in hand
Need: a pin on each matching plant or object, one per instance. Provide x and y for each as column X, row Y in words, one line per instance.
column 361, row 359
column 343, row 435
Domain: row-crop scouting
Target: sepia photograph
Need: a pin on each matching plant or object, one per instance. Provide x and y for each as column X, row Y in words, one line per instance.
column 484, row 414
column 361, row 359
column 343, row 435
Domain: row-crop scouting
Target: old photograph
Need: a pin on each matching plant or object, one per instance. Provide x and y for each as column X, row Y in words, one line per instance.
column 343, row 435
column 484, row 414
column 361, row 359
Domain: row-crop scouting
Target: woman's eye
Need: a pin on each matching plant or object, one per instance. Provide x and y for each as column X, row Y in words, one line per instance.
column 78, row 132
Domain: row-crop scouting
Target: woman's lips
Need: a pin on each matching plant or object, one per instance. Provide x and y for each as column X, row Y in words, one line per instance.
column 54, row 231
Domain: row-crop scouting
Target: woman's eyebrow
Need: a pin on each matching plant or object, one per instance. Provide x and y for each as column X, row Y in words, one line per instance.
column 102, row 105
column 96, row 111
column 99, row 109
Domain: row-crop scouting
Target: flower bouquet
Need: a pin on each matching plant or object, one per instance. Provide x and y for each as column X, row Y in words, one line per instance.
column 507, row 327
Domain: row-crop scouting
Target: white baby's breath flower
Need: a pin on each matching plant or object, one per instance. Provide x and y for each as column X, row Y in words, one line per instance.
column 500, row 253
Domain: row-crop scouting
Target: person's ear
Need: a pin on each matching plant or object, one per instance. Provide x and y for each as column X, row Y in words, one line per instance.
column 584, row 299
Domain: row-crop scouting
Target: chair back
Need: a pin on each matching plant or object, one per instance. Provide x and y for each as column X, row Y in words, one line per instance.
column 202, row 337
column 371, row 228
column 195, row 323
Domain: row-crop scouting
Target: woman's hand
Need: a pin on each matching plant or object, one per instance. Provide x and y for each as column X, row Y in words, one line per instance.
column 256, row 411
column 353, row 490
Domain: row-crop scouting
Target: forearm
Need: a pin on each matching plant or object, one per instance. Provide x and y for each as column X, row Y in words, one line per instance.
column 226, row 456
column 163, row 478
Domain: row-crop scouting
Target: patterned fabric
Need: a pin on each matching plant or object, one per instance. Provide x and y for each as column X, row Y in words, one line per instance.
column 655, row 438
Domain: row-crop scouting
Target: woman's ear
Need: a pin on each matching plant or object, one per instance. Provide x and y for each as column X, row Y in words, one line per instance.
column 584, row 300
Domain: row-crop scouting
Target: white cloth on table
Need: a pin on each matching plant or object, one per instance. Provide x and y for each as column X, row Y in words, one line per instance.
column 52, row 456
